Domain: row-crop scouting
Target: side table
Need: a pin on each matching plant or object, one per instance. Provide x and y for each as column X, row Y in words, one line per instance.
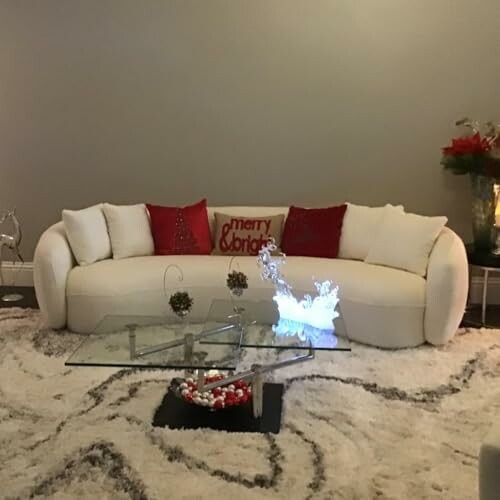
column 488, row 263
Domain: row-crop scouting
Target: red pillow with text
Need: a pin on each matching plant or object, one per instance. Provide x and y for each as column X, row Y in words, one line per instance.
column 313, row 232
column 238, row 235
column 181, row 230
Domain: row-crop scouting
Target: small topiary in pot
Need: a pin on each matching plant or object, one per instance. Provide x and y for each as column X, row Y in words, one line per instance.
column 237, row 282
column 181, row 303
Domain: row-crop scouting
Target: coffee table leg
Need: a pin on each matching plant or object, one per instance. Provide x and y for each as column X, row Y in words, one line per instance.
column 188, row 353
column 256, row 375
column 257, row 390
column 201, row 380
column 485, row 291
column 131, row 340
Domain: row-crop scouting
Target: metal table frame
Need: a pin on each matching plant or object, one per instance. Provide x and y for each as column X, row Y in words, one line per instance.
column 486, row 273
column 255, row 375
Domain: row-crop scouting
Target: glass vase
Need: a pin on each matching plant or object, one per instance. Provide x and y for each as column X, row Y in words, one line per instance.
column 484, row 202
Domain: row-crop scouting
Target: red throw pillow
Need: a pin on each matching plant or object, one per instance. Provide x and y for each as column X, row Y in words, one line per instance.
column 313, row 232
column 181, row 230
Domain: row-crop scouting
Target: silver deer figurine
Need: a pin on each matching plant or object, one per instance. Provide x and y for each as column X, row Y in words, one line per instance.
column 10, row 241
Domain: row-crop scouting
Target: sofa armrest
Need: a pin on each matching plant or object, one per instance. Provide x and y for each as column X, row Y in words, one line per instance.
column 52, row 263
column 446, row 288
column 489, row 465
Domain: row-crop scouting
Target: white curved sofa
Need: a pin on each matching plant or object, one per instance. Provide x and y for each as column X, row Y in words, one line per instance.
column 378, row 305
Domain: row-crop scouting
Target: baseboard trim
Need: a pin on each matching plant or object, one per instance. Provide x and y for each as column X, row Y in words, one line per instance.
column 15, row 273
column 22, row 275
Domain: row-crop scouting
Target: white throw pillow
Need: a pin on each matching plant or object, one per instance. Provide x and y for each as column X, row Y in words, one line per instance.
column 87, row 234
column 359, row 228
column 405, row 241
column 129, row 230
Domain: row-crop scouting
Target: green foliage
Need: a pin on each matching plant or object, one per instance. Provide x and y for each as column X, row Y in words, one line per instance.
column 464, row 164
column 480, row 164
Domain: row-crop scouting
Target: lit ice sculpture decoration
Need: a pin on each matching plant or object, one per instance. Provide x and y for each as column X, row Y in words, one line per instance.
column 309, row 318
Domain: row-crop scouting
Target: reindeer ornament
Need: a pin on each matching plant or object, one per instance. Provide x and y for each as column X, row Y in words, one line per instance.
column 10, row 241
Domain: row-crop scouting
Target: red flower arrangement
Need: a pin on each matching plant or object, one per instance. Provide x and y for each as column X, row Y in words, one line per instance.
column 473, row 153
column 469, row 145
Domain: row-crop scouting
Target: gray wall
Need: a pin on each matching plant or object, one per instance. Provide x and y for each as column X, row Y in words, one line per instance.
column 244, row 102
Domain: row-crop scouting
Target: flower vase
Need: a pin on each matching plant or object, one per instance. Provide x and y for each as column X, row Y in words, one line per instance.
column 237, row 283
column 236, row 297
column 181, row 322
column 484, row 202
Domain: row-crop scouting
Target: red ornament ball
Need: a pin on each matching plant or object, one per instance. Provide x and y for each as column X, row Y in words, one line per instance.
column 219, row 397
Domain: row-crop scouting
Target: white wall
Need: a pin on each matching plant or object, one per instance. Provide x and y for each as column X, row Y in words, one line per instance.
column 261, row 102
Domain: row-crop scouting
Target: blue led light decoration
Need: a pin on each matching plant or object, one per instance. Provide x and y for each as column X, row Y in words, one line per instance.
column 308, row 318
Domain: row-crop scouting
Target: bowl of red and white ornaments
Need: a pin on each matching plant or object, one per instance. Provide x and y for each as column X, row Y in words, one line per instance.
column 222, row 396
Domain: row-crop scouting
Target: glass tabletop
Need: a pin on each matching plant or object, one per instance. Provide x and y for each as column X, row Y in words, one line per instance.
column 163, row 342
column 259, row 325
column 151, row 342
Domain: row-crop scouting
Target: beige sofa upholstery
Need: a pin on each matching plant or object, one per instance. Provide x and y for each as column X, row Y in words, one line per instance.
column 489, row 466
column 378, row 305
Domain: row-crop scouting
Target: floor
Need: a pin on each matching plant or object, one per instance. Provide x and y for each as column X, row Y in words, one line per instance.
column 343, row 414
column 471, row 318
column 28, row 293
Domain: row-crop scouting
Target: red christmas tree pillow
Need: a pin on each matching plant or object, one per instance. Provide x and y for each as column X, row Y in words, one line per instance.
column 181, row 230
column 313, row 232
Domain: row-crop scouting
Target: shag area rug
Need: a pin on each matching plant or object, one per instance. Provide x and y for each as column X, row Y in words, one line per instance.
column 368, row 424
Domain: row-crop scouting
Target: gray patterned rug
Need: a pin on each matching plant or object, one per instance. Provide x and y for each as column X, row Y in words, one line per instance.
column 361, row 425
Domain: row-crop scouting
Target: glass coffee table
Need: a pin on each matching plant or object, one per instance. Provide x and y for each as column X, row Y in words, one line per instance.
column 198, row 348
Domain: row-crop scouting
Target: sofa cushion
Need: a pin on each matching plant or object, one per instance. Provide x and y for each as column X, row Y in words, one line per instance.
column 110, row 278
column 181, row 230
column 405, row 241
column 87, row 234
column 238, row 235
column 244, row 212
column 129, row 230
column 388, row 316
column 359, row 229
column 313, row 232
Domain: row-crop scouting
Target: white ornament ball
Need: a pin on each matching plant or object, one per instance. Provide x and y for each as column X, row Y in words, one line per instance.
column 239, row 392
column 197, row 401
column 185, row 391
column 231, row 387
column 224, row 389
column 205, row 394
column 183, row 385
column 196, row 394
column 190, row 380
column 211, row 403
